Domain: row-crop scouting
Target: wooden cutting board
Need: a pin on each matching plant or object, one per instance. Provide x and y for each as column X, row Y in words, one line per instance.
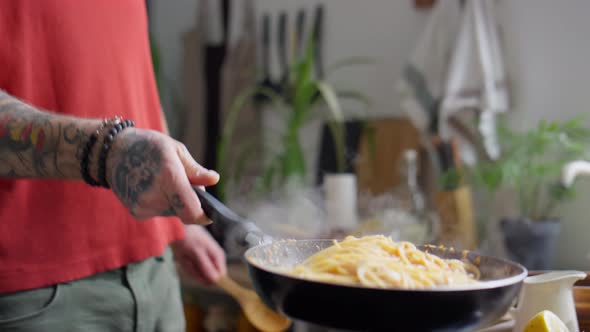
column 378, row 164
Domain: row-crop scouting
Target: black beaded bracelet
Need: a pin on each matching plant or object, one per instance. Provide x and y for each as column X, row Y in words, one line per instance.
column 85, row 161
column 108, row 140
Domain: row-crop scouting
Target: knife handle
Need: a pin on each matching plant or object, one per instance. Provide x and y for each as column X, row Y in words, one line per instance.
column 282, row 43
column 266, row 46
column 299, row 32
column 318, row 32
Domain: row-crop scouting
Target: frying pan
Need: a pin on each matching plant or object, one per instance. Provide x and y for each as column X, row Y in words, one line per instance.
column 358, row 308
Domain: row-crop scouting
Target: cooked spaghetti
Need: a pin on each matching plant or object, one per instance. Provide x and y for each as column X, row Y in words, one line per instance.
column 378, row 261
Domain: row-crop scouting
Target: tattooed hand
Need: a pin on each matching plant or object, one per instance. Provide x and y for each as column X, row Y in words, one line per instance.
column 152, row 173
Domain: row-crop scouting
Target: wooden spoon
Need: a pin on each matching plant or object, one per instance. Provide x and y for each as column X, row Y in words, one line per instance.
column 261, row 316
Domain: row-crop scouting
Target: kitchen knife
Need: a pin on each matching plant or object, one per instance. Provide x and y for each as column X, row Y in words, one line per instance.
column 266, row 47
column 300, row 34
column 266, row 82
column 283, row 57
column 318, row 39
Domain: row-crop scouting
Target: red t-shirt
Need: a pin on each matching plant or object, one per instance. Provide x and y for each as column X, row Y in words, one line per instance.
column 87, row 59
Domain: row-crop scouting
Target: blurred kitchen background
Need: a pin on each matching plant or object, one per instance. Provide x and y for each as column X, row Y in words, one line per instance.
column 448, row 122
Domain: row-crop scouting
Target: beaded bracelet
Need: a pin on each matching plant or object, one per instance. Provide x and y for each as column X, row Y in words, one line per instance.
column 85, row 161
column 108, row 140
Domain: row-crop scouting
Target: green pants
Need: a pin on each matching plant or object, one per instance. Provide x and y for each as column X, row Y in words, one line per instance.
column 143, row 296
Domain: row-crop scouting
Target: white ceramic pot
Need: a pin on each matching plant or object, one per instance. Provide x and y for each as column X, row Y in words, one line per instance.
column 340, row 197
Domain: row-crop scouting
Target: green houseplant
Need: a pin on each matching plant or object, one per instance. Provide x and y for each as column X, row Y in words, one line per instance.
column 530, row 165
column 307, row 98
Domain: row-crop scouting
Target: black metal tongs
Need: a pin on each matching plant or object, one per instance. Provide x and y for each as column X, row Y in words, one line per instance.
column 235, row 233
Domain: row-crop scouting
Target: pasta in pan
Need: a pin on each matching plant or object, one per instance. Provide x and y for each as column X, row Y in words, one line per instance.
column 378, row 261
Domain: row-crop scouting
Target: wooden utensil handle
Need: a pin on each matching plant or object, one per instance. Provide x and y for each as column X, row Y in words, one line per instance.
column 232, row 287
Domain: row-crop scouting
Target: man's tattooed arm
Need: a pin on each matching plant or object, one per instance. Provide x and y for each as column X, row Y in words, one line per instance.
column 37, row 144
column 150, row 173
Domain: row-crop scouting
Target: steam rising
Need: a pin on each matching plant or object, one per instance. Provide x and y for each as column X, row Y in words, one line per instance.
column 296, row 214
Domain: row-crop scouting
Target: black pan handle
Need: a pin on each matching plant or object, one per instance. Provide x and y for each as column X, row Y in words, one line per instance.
column 215, row 210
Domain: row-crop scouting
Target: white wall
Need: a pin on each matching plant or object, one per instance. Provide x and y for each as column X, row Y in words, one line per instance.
column 548, row 55
column 170, row 19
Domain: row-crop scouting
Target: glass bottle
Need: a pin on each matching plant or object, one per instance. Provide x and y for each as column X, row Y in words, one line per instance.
column 422, row 224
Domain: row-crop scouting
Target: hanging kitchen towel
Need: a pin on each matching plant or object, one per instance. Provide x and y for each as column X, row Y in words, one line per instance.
column 476, row 78
column 457, row 66
column 424, row 77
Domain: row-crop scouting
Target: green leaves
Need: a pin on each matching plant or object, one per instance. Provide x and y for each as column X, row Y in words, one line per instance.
column 531, row 164
column 492, row 177
column 561, row 193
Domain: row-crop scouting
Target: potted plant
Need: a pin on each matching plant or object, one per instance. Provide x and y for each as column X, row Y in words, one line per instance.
column 307, row 98
column 530, row 165
column 304, row 99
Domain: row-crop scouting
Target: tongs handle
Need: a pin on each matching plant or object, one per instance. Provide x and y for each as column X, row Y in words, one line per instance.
column 235, row 232
column 215, row 209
